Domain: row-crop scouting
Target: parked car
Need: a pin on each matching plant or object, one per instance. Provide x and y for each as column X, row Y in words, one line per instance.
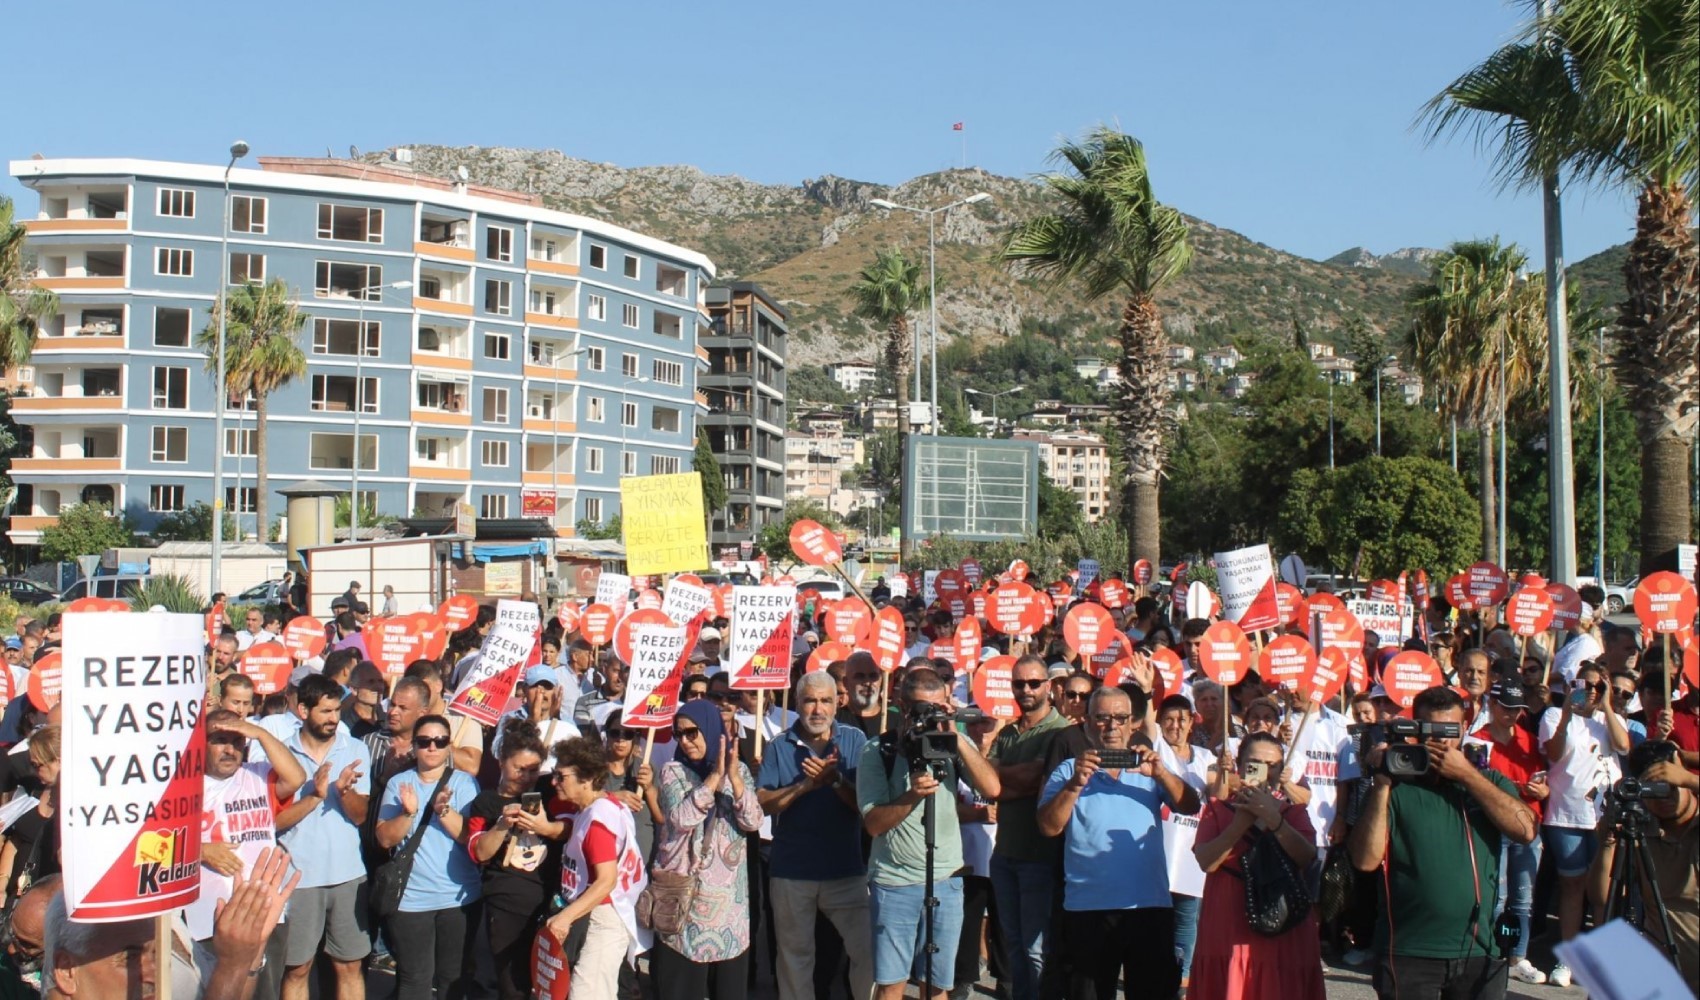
column 270, row 592
column 25, row 591
column 119, row 585
column 1621, row 596
column 828, row 588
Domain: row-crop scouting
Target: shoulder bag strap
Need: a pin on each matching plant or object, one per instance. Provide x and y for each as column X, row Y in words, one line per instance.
column 418, row 833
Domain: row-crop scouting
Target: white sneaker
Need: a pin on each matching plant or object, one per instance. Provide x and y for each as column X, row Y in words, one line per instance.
column 1524, row 972
column 1560, row 976
column 1357, row 956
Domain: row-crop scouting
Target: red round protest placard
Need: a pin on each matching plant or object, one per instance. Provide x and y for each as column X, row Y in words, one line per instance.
column 1169, row 667
column 268, row 665
column 1015, row 609
column 992, row 689
column 596, row 624
column 46, row 676
column 1341, row 630
column 304, row 637
column 1419, row 590
column 567, row 614
column 1566, row 605
column 1333, row 667
column 1529, row 612
column 551, row 974
column 1088, row 629
column 458, row 611
column 967, row 643
column 623, row 630
column 434, row 635
column 814, row 544
column 1324, row 603
column 1224, row 653
column 950, row 583
column 1142, row 572
column 106, row 604
column 1665, row 603
column 887, row 640
column 1018, row 571
column 1488, row 584
column 720, row 604
column 970, row 570
column 826, row 654
column 1288, row 661
column 1458, row 592
column 393, row 643
column 849, row 621
column 1115, row 652
column 650, row 599
column 1114, row 594
column 1409, row 674
column 1384, row 590
column 1291, row 605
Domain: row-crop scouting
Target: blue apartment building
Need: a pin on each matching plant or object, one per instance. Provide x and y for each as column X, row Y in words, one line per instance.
column 490, row 350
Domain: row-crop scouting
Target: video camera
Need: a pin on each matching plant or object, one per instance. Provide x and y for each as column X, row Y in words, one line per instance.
column 1404, row 759
column 929, row 741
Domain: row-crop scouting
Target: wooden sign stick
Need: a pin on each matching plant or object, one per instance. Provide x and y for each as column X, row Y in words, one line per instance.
column 1298, row 735
column 648, row 747
column 759, row 720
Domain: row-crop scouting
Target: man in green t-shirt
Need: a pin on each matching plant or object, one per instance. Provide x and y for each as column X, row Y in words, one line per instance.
column 1438, row 839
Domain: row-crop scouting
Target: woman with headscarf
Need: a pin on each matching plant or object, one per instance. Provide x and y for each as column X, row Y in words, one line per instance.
column 708, row 802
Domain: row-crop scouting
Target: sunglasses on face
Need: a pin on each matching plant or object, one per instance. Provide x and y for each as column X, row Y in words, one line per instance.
column 720, row 697
column 697, row 695
column 1624, row 693
column 692, row 733
column 622, row 734
column 430, row 742
column 1029, row 685
column 1076, row 695
column 1116, row 719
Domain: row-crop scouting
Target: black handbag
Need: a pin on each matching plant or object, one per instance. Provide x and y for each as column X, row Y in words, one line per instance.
column 389, row 882
column 1338, row 876
column 1276, row 898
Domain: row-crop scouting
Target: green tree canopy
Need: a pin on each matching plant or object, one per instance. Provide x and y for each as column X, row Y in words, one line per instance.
column 191, row 524
column 84, row 529
column 1398, row 513
column 713, row 483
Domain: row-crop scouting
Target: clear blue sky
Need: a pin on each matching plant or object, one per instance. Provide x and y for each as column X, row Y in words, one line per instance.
column 1288, row 122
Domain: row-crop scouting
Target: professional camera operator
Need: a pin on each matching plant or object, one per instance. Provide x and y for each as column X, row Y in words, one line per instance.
column 1659, row 790
column 1118, row 917
column 917, row 849
column 1435, row 935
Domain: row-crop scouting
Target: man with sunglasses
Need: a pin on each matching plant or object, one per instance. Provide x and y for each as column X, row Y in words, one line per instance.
column 1023, row 868
column 862, row 678
column 1117, row 913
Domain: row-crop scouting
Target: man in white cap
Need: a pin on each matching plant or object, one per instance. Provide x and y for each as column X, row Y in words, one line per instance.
column 708, row 647
column 1584, row 643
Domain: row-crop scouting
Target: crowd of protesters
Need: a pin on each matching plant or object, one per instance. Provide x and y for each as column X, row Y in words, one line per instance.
column 876, row 832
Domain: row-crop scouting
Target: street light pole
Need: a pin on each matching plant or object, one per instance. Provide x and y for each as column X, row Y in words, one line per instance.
column 1504, row 493
column 1600, row 520
column 994, row 398
column 1378, row 367
column 1331, row 380
column 238, row 149
column 360, row 398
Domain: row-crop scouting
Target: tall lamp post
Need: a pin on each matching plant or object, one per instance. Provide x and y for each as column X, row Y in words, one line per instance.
column 1333, row 377
column 238, row 149
column 360, row 399
column 1379, row 366
column 1600, row 518
column 994, row 398
column 932, row 287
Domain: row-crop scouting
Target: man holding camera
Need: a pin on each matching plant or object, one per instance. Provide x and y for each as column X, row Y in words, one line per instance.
column 1668, row 792
column 917, row 837
column 1431, row 817
column 1107, row 805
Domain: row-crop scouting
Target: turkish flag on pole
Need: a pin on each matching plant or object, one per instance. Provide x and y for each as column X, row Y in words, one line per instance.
column 957, row 127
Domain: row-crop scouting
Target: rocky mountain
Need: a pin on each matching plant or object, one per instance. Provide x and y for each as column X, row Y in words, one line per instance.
column 806, row 242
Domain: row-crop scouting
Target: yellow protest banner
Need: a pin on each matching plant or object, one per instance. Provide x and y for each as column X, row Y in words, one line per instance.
column 661, row 518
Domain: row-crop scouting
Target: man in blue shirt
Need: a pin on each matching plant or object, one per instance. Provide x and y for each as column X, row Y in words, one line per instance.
column 1117, row 915
column 808, row 784
column 321, row 830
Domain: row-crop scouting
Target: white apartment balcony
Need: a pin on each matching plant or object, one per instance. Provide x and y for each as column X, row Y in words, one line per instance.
column 553, row 253
column 74, row 449
column 81, row 210
column 70, row 388
column 550, row 356
column 444, row 235
column 551, row 412
column 442, row 399
column 548, row 463
column 552, row 304
column 442, row 343
column 439, row 456
column 82, row 269
column 443, row 290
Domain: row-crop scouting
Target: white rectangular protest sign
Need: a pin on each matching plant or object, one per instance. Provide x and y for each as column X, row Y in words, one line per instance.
column 612, row 590
column 520, row 614
column 489, row 682
column 1088, row 571
column 1384, row 618
column 929, row 588
column 682, row 601
column 1246, row 580
column 759, row 656
column 652, row 689
column 132, row 760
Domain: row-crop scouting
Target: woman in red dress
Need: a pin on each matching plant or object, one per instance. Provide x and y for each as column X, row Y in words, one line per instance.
column 1231, row 960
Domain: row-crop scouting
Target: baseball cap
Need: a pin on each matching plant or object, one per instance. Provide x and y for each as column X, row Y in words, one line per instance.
column 1378, row 691
column 709, row 633
column 13, row 642
column 1509, row 694
column 541, row 674
column 1059, row 669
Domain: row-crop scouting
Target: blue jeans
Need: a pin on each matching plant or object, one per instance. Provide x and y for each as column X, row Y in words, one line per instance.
column 1186, row 930
column 1023, row 890
column 899, row 918
column 1517, row 873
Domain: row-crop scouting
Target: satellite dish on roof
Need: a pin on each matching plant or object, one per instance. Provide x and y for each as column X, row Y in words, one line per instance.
column 460, row 172
column 354, row 152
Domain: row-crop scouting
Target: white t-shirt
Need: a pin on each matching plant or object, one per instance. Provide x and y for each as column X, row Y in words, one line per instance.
column 1327, row 759
column 1575, row 782
column 1582, row 646
column 238, row 810
column 244, row 639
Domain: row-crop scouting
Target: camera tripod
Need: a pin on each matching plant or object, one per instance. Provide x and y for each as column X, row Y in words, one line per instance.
column 929, row 898
column 1632, row 867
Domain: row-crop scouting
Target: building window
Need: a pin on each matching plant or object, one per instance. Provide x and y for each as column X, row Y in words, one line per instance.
column 629, row 315
column 593, row 509
column 629, row 365
column 664, row 418
column 247, row 214
column 497, row 345
column 336, row 394
column 170, row 444
column 663, row 465
column 351, row 223
column 668, row 372
column 170, row 388
column 177, row 203
column 593, row 460
column 348, row 281
column 542, row 249
column 170, row 327
column 595, row 307
column 499, row 244
column 242, row 500
column 240, row 442
column 595, row 410
column 632, row 266
column 246, row 267
column 595, row 358
column 342, row 336
column 494, row 505
column 498, row 297
column 628, row 463
column 599, row 257
column 174, row 262
column 494, row 454
column 496, row 407
column 165, row 499
column 628, row 414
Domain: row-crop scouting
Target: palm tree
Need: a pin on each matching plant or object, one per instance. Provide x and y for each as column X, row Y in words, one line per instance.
column 887, row 292
column 1636, row 63
column 260, row 357
column 1113, row 236
column 23, row 306
column 1476, row 310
